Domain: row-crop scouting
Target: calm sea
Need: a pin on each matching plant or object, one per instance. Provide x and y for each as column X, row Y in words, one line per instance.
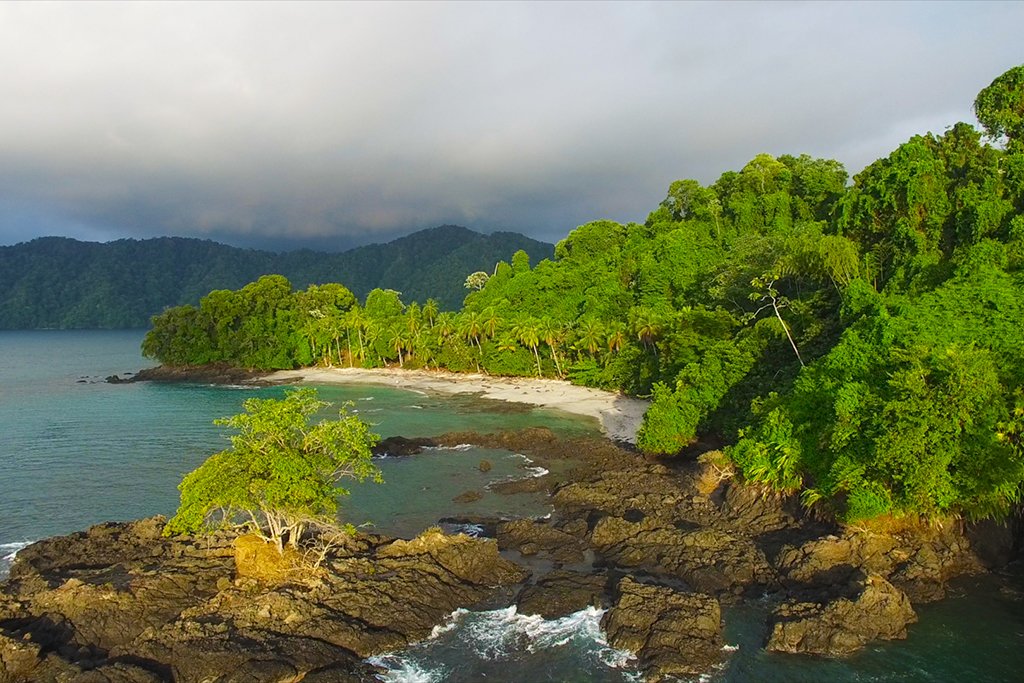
column 76, row 451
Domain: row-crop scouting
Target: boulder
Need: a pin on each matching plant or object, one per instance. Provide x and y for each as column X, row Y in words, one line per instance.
column 707, row 559
column 563, row 592
column 394, row 446
column 542, row 538
column 671, row 633
column 877, row 610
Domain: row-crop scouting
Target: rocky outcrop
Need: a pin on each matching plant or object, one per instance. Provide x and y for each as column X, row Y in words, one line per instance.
column 120, row 602
column 707, row 559
column 919, row 563
column 563, row 592
column 175, row 609
column 562, row 544
column 671, row 633
column 400, row 446
column 876, row 611
column 214, row 373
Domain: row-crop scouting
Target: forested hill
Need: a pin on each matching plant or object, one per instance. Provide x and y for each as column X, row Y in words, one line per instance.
column 56, row 282
column 860, row 344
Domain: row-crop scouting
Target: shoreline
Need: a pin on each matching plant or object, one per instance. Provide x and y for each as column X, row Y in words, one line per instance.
column 619, row 416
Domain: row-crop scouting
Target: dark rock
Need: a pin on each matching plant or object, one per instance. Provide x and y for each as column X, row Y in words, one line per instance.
column 561, row 592
column 840, row 627
column 214, row 373
column 481, row 526
column 672, row 633
column 995, row 544
column 708, row 560
column 167, row 609
column 484, row 466
column 759, row 510
column 918, row 561
column 532, row 537
column 401, row 446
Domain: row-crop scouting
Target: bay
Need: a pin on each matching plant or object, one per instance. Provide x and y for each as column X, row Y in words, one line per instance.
column 75, row 451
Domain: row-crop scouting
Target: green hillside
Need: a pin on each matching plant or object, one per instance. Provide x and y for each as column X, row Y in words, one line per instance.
column 862, row 344
column 61, row 283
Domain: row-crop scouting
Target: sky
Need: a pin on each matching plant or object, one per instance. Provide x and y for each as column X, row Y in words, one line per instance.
column 281, row 125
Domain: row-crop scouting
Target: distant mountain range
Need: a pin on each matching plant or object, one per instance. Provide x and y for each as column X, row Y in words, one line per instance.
column 62, row 283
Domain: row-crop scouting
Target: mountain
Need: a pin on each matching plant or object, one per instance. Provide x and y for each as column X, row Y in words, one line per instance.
column 62, row 283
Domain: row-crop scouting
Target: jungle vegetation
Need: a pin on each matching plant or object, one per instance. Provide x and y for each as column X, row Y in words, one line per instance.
column 861, row 342
column 62, row 283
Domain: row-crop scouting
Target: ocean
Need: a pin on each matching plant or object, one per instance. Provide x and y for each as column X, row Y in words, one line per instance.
column 77, row 451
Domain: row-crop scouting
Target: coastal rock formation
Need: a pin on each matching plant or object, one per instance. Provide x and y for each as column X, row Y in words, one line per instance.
column 563, row 544
column 657, row 544
column 213, row 373
column 919, row 563
column 707, row 559
column 876, row 611
column 401, row 446
column 563, row 592
column 120, row 595
column 671, row 633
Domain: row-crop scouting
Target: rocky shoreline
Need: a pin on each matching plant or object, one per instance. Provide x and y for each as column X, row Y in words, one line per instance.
column 660, row 546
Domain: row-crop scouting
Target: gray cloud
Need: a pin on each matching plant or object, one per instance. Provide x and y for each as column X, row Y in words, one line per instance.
column 253, row 122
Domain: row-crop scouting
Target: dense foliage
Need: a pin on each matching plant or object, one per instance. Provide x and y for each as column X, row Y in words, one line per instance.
column 60, row 283
column 861, row 343
column 281, row 472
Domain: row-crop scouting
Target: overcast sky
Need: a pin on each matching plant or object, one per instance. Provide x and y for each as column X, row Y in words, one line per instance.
column 278, row 125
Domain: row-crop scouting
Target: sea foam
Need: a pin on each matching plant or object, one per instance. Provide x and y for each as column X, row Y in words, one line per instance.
column 502, row 634
column 8, row 551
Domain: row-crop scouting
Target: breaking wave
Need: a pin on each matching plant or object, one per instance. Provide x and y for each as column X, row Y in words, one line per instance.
column 502, row 636
column 7, row 553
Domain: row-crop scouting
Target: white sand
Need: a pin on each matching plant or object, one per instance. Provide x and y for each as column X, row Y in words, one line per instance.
column 619, row 415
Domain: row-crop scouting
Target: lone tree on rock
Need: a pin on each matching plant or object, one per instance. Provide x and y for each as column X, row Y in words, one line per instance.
column 281, row 472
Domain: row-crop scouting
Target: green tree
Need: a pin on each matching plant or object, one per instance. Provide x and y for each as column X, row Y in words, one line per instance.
column 281, row 471
column 527, row 331
column 1000, row 108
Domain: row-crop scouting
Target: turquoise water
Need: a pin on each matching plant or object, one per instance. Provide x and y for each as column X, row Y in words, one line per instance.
column 76, row 451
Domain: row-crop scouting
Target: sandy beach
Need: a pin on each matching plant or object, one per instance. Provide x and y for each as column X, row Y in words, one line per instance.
column 619, row 415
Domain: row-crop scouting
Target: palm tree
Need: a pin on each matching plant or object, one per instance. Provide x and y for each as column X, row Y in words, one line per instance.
column 430, row 310
column 616, row 339
column 412, row 317
column 551, row 333
column 472, row 327
column 591, row 335
column 398, row 343
column 647, row 327
column 472, row 330
column 491, row 321
column 445, row 325
column 355, row 320
column 507, row 343
column 372, row 334
column 526, row 331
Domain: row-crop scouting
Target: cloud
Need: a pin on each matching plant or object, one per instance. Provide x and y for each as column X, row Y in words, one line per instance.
column 298, row 121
